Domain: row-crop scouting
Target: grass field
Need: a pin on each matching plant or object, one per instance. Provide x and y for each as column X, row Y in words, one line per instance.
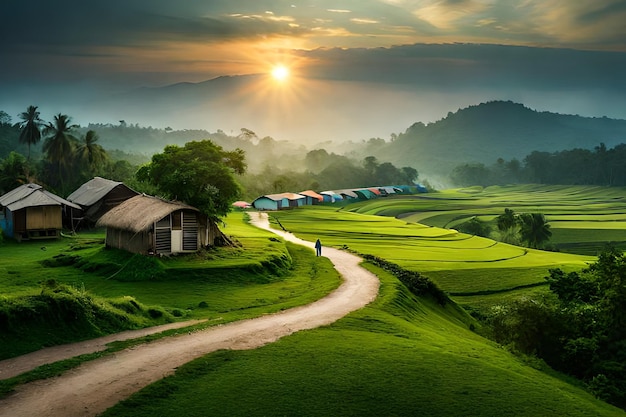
column 261, row 276
column 583, row 218
column 460, row 264
column 399, row 356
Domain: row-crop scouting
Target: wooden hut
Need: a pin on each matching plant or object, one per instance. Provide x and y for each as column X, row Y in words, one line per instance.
column 278, row 201
column 150, row 225
column 97, row 196
column 30, row 212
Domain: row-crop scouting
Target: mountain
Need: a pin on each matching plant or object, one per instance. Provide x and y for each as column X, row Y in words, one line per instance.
column 306, row 111
column 496, row 129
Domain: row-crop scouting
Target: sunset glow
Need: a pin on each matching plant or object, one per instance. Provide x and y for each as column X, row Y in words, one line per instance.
column 385, row 63
column 280, row 73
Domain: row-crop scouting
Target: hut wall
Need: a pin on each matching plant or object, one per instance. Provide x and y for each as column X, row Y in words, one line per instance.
column 43, row 218
column 264, row 203
column 130, row 241
column 6, row 221
column 113, row 198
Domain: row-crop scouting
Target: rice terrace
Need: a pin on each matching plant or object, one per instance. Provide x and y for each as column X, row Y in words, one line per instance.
column 419, row 348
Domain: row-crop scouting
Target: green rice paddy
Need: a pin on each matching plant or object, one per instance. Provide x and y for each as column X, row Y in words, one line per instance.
column 417, row 232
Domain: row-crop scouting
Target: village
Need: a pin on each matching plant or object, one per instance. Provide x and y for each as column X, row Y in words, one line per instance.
column 140, row 223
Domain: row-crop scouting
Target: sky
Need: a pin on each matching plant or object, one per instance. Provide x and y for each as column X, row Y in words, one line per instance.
column 356, row 68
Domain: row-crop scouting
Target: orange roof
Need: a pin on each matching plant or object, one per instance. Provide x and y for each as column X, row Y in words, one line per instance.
column 311, row 193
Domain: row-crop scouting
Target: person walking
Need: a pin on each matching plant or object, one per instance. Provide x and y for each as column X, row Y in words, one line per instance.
column 318, row 247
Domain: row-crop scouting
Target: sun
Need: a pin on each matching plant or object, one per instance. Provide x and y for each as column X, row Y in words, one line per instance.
column 280, row 73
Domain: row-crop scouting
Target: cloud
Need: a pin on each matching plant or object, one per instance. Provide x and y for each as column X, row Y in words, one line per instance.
column 447, row 67
column 160, row 40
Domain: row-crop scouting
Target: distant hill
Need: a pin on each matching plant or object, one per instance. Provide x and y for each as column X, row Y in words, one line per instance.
column 497, row 129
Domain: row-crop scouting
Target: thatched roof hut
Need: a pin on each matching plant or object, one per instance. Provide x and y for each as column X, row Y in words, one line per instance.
column 151, row 225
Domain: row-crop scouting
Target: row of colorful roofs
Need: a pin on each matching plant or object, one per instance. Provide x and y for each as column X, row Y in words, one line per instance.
column 309, row 197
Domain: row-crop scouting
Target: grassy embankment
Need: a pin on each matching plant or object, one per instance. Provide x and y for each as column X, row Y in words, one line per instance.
column 71, row 289
column 401, row 355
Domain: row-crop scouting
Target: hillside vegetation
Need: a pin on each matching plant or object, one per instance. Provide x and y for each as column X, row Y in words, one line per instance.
column 401, row 355
column 498, row 129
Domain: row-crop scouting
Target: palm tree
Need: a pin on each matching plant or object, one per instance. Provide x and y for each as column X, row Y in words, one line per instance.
column 535, row 229
column 59, row 145
column 30, row 132
column 91, row 154
column 507, row 220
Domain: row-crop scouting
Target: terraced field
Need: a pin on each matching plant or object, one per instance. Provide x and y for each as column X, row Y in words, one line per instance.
column 417, row 232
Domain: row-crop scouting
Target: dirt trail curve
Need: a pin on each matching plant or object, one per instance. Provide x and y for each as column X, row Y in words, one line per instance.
column 99, row 384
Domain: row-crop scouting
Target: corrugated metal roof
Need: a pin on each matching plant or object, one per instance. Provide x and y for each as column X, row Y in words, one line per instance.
column 32, row 195
column 92, row 191
column 313, row 194
column 349, row 193
column 288, row 196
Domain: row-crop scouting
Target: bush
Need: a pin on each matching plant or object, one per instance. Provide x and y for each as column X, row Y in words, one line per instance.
column 414, row 281
column 62, row 314
column 155, row 313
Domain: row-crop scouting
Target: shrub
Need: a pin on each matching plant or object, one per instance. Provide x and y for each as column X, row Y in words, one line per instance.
column 414, row 281
column 155, row 313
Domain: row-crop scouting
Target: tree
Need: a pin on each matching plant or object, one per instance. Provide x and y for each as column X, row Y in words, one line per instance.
column 30, row 132
column 534, row 229
column 13, row 172
column 92, row 156
column 609, row 273
column 475, row 226
column 506, row 221
column 5, row 119
column 59, row 145
column 410, row 174
column 200, row 174
column 471, row 174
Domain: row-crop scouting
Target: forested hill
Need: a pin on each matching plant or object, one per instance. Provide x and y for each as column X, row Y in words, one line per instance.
column 497, row 129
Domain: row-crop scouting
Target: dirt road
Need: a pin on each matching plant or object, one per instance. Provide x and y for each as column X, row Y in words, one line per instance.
column 97, row 385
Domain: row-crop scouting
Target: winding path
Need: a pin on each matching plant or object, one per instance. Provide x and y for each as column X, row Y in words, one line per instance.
column 99, row 384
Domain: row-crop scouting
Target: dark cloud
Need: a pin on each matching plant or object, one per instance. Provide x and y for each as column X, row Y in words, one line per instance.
column 603, row 11
column 44, row 24
column 474, row 66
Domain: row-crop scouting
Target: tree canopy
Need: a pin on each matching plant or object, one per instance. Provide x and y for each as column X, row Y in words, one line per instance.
column 200, row 173
column 580, row 328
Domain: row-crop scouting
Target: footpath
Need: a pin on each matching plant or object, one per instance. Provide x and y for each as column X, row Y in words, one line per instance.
column 94, row 386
